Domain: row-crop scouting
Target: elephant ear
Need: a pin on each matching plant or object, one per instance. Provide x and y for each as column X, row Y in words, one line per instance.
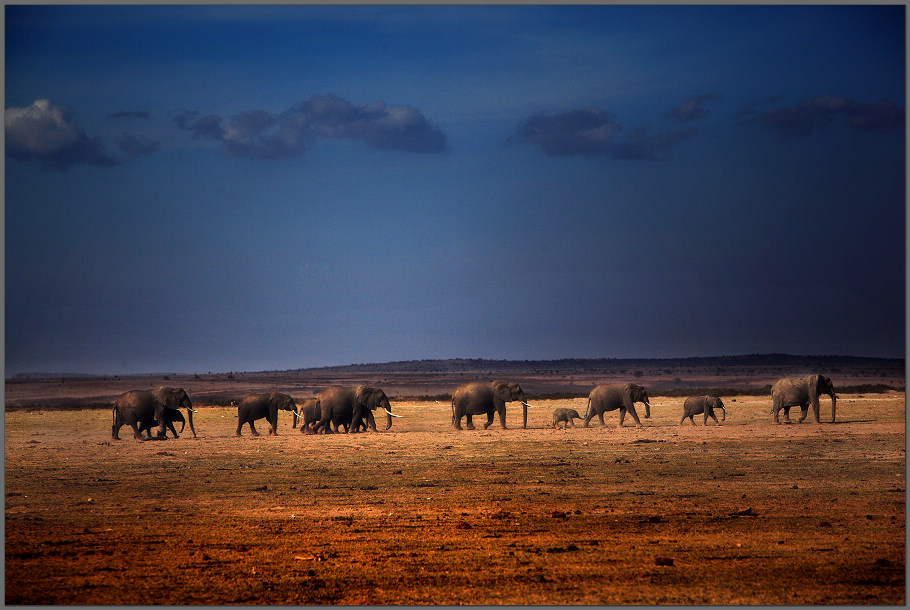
column 364, row 396
column 502, row 391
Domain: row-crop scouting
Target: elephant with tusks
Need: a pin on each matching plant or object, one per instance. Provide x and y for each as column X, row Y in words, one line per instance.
column 341, row 405
column 486, row 398
column 696, row 405
column 141, row 409
column 257, row 406
column 311, row 413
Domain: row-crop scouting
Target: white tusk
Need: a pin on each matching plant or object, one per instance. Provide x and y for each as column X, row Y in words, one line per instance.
column 390, row 413
column 527, row 405
column 194, row 410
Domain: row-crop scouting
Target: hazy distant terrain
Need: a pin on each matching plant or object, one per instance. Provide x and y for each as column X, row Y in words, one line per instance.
column 438, row 378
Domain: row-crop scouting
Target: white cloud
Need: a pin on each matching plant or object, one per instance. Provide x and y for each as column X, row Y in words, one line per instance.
column 43, row 132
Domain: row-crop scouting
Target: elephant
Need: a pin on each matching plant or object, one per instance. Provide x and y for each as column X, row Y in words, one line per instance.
column 257, row 406
column 696, row 405
column 310, row 413
column 173, row 416
column 605, row 398
column 801, row 391
column 567, row 416
column 475, row 398
column 143, row 407
column 351, row 407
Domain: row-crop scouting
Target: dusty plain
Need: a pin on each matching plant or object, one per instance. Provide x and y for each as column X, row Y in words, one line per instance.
column 747, row 512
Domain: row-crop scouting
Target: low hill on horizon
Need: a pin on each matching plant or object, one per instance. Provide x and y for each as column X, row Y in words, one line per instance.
column 455, row 365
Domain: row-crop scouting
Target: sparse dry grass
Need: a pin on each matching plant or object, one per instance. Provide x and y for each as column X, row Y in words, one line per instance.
column 744, row 513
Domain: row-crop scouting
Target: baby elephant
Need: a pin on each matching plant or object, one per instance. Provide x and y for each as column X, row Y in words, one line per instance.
column 566, row 416
column 696, row 405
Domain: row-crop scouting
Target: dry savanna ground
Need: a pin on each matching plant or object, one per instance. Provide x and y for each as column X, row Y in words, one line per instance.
column 743, row 513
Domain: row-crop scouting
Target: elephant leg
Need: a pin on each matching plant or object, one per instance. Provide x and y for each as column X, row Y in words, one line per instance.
column 489, row 422
column 170, row 426
column 136, row 433
column 787, row 415
column 253, row 428
column 240, row 423
column 273, row 429
column 469, row 422
column 631, row 411
column 803, row 414
column 603, row 424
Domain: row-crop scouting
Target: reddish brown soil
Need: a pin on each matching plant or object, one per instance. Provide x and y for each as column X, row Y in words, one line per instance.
column 743, row 513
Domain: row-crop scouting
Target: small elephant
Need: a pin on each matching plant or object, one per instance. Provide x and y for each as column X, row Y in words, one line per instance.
column 566, row 416
column 257, row 406
column 605, row 398
column 309, row 415
column 141, row 408
column 174, row 417
column 350, row 407
column 696, row 405
column 478, row 398
column 801, row 392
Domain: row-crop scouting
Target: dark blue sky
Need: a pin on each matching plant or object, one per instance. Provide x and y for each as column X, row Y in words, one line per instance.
column 218, row 188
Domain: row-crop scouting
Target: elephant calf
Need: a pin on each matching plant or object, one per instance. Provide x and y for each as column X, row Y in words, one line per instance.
column 696, row 405
column 566, row 416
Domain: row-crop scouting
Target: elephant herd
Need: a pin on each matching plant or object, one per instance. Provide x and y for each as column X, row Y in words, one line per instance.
column 352, row 408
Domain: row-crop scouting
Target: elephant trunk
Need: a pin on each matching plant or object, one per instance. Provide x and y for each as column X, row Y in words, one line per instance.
column 388, row 413
column 296, row 415
column 647, row 410
column 833, row 406
column 524, row 411
column 189, row 412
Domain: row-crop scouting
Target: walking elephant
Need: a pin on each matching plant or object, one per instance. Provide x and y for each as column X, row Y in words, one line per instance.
column 350, row 407
column 605, row 398
column 311, row 413
column 801, row 392
column 566, row 416
column 142, row 408
column 257, row 406
column 696, row 405
column 308, row 415
column 173, row 415
column 477, row 398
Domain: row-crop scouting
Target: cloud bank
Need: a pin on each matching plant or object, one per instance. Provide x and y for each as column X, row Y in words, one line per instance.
column 261, row 135
column 590, row 132
column 804, row 119
column 691, row 109
column 44, row 132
